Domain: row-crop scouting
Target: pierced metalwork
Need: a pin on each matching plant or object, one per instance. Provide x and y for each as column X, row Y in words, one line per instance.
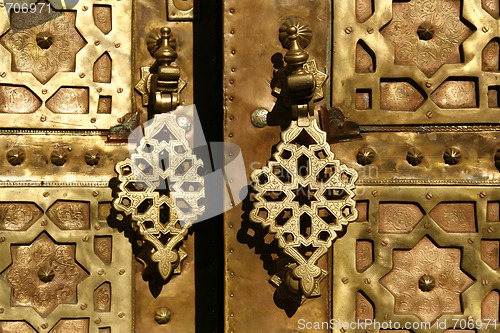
column 162, row 190
column 304, row 196
column 161, row 187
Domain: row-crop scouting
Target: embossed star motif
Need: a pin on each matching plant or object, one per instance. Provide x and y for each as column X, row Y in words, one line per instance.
column 44, row 275
column 426, row 33
column 43, row 42
column 427, row 281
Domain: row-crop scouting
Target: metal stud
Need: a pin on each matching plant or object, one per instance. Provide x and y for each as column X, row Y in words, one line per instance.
column 365, row 156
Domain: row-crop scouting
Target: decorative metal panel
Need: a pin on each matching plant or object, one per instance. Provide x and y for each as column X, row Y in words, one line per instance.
column 416, row 61
column 428, row 255
column 61, row 66
column 62, row 264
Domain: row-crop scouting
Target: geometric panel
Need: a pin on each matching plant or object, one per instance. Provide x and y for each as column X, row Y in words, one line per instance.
column 493, row 211
column 69, row 100
column 490, row 253
column 43, row 275
column 428, row 275
column 364, row 255
column 103, row 248
column 364, row 307
column 70, row 215
column 491, row 55
column 456, row 94
column 43, row 42
column 71, row 326
column 16, row 327
column 490, row 307
column 365, row 58
column 102, row 69
column 103, row 18
column 18, row 216
column 455, row 216
column 399, row 217
column 102, row 298
column 18, row 99
column 400, row 96
column 364, row 10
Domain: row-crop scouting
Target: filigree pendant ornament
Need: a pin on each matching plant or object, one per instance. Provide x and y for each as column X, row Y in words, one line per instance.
column 160, row 184
column 162, row 191
column 304, row 197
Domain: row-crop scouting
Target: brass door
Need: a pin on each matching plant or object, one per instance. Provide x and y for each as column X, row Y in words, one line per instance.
column 411, row 105
column 73, row 86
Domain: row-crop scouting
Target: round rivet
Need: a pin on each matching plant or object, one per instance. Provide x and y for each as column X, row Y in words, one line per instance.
column 97, row 320
column 3, row 74
column 58, row 157
column 470, row 241
column 233, row 51
column 368, row 281
column 427, row 225
column 2, row 239
column 44, row 91
column 85, row 238
column 97, row 42
column 83, row 306
column 365, row 156
column 428, row 196
column 44, row 326
column 384, row 243
column 428, row 84
column 231, row 98
column 121, row 315
column 231, row 81
column 485, row 282
column 345, row 280
column 163, row 315
column 95, row 193
column 375, row 193
column 232, row 274
column 43, row 118
column 231, row 251
column 491, row 230
column 452, row 156
column 82, row 75
column 348, row 30
column 121, row 271
column 426, row 283
column 100, row 271
column 429, row 114
column 414, row 156
column 370, row 30
column 184, row 123
column 93, row 120
column 231, row 295
column 45, row 194
column 482, row 194
column 230, row 226
column 232, row 315
column 44, row 40
column 485, row 29
column 15, row 156
column 119, row 90
column 97, row 226
column 233, row 69
column 231, row 10
column 92, row 157
column 43, row 223
column 2, row 310
column 230, row 135
column 99, row 89
column 231, row 32
column 85, row 8
column 369, row 229
column 117, row 45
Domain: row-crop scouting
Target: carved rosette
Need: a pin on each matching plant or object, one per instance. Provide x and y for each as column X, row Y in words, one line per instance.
column 162, row 191
column 304, row 197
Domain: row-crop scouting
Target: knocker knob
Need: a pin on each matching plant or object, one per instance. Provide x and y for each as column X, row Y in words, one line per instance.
column 165, row 53
column 296, row 55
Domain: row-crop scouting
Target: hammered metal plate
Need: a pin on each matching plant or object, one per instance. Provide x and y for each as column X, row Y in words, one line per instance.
column 63, row 84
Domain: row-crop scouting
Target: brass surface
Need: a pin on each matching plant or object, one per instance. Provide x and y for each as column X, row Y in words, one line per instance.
column 63, row 63
column 429, row 273
column 416, row 62
column 54, row 279
column 251, row 259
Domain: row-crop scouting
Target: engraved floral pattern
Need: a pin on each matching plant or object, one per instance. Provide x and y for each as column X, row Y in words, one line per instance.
column 43, row 275
column 43, row 63
column 428, row 54
column 426, row 259
column 18, row 216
